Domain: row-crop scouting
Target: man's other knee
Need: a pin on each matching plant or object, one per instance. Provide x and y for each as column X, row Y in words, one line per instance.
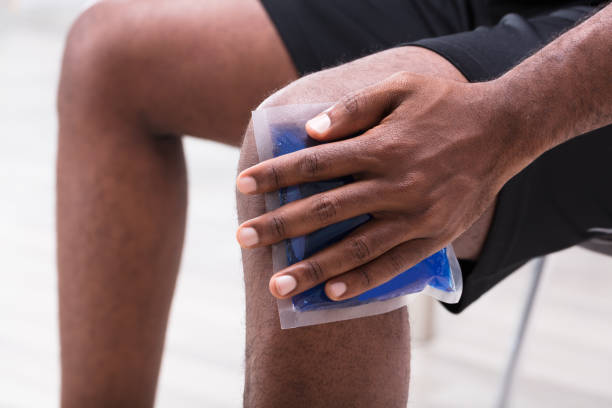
column 96, row 58
column 118, row 55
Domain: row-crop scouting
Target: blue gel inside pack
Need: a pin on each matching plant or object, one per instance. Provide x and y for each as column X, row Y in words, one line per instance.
column 434, row 271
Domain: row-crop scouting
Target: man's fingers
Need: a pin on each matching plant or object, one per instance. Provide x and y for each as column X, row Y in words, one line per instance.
column 316, row 163
column 355, row 112
column 307, row 215
column 361, row 246
column 381, row 270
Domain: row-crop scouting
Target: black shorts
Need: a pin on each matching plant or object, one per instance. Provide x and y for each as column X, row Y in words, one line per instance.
column 561, row 199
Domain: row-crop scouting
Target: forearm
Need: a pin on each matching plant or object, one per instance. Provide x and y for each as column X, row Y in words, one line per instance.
column 563, row 90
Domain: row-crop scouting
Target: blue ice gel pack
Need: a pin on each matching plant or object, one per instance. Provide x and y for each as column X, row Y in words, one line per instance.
column 434, row 271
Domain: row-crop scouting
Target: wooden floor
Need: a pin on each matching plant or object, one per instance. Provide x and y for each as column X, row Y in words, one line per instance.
column 568, row 355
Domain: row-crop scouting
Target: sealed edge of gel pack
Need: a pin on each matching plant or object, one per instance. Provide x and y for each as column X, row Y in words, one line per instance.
column 280, row 130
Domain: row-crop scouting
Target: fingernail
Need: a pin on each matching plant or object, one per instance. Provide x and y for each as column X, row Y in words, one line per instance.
column 246, row 185
column 247, row 236
column 285, row 284
column 319, row 123
column 337, row 289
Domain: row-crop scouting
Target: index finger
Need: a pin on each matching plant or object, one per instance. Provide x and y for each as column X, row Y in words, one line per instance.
column 322, row 162
column 359, row 110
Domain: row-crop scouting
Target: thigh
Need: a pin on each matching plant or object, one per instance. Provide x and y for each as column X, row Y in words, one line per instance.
column 208, row 63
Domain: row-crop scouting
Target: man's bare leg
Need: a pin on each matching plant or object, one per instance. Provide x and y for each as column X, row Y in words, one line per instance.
column 357, row 363
column 136, row 75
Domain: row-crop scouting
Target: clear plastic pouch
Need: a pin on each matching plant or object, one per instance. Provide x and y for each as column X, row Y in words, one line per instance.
column 280, row 130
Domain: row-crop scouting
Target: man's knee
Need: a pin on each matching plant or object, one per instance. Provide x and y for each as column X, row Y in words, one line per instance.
column 118, row 57
column 95, row 60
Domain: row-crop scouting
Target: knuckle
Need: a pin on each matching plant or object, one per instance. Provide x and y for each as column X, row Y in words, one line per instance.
column 313, row 271
column 275, row 177
column 396, row 261
column 407, row 184
column 360, row 249
column 279, row 226
column 404, row 78
column 366, row 279
column 350, row 103
column 405, row 75
column 410, row 189
column 309, row 164
column 325, row 208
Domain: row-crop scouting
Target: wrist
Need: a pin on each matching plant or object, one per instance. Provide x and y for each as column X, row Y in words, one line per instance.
column 518, row 127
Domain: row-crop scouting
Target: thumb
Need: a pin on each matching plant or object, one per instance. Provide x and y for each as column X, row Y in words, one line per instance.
column 355, row 112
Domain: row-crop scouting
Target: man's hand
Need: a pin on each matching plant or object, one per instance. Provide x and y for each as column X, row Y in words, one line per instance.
column 433, row 156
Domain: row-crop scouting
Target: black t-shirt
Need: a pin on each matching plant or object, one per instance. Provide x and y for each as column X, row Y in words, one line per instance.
column 499, row 8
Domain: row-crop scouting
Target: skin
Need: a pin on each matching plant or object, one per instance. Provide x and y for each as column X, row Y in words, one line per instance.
column 432, row 158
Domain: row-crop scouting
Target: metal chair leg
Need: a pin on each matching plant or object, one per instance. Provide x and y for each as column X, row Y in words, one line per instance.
column 509, row 373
